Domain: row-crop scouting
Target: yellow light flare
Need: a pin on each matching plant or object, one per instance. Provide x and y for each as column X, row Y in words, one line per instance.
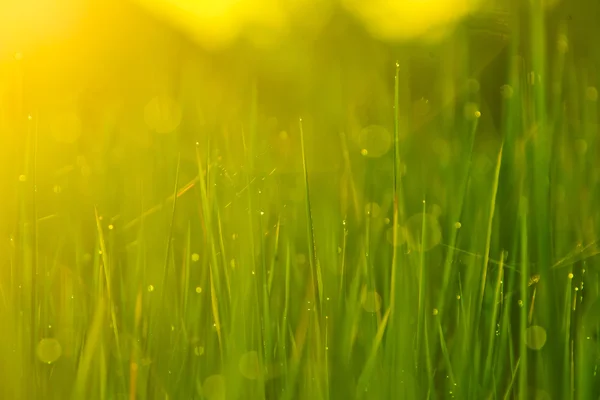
column 217, row 23
column 407, row 19
column 213, row 23
column 27, row 22
column 370, row 300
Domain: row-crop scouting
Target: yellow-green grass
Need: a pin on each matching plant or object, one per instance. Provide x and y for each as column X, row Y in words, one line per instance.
column 435, row 241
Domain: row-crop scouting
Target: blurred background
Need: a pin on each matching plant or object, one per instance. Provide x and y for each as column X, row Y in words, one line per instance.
column 89, row 72
column 105, row 107
column 105, row 84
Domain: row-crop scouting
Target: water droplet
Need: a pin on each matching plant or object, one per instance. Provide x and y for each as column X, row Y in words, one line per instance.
column 374, row 140
column 198, row 289
column 414, row 232
column 421, row 107
column 581, row 147
column 162, row 114
column 111, row 227
column 435, row 311
column 48, row 350
column 22, row 178
column 195, row 257
column 214, row 387
column 570, row 276
column 372, row 210
column 457, row 225
column 541, row 395
column 150, row 288
column 471, row 111
column 300, row 259
column 506, row 91
column 535, row 337
column 562, row 44
column 371, row 301
column 591, row 93
column 473, row 85
column 400, row 236
column 249, row 365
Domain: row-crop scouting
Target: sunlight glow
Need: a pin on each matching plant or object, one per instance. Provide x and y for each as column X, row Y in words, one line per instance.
column 407, row 19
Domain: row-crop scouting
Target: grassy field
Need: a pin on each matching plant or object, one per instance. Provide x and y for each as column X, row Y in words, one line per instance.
column 339, row 218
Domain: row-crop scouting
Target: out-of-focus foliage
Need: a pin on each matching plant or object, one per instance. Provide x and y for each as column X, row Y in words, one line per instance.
column 299, row 200
column 218, row 23
column 24, row 22
column 407, row 19
column 215, row 24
